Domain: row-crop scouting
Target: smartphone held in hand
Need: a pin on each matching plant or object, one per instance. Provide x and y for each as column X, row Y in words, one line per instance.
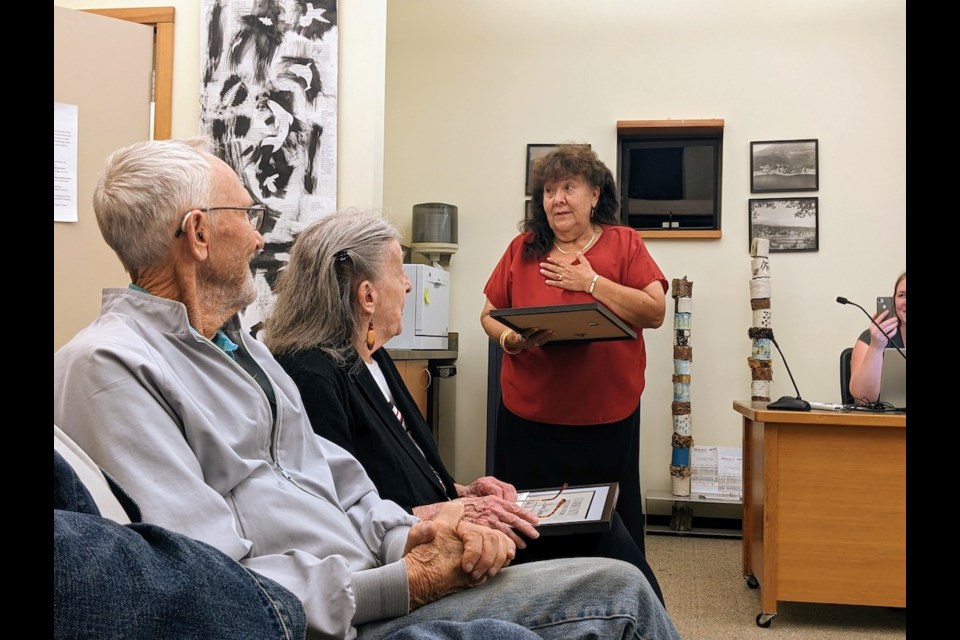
column 885, row 304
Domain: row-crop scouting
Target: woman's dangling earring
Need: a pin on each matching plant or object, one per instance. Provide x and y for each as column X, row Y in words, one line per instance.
column 592, row 210
column 371, row 334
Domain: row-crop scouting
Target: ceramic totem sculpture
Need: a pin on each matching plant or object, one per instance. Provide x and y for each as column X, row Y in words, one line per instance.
column 759, row 361
column 682, row 292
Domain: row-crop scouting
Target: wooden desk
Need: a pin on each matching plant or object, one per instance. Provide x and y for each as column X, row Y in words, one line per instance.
column 824, row 507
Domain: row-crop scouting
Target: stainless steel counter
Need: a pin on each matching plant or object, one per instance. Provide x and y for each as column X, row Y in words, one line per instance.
column 422, row 354
column 450, row 353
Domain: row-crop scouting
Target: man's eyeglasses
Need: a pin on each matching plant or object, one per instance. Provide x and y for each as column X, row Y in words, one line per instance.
column 255, row 215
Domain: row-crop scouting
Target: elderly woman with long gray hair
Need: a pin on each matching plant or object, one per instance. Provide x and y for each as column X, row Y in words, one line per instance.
column 339, row 301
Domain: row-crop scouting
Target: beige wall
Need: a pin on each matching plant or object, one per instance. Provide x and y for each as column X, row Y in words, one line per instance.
column 470, row 83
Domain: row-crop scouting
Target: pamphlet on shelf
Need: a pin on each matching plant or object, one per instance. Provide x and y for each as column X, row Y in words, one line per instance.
column 717, row 471
column 578, row 509
column 590, row 321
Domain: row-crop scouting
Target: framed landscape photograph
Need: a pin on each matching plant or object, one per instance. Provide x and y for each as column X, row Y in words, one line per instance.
column 535, row 151
column 790, row 224
column 784, row 165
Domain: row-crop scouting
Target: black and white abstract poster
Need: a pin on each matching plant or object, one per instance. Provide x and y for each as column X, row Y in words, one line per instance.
column 269, row 103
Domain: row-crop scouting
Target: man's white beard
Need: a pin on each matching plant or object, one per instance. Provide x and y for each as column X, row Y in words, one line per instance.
column 225, row 296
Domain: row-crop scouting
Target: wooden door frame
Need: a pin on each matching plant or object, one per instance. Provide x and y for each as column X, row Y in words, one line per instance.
column 162, row 21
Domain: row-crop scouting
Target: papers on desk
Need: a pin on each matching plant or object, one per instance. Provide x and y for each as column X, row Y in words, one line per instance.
column 717, row 472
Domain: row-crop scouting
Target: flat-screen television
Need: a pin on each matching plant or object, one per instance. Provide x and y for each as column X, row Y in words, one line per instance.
column 670, row 182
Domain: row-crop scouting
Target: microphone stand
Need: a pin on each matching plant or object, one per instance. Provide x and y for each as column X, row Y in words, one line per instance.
column 843, row 300
column 787, row 403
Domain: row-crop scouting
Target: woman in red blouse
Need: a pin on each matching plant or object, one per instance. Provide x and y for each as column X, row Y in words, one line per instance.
column 571, row 412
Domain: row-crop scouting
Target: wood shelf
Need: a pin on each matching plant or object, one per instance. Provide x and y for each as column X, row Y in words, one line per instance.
column 683, row 234
column 702, row 532
column 693, row 498
column 705, row 498
column 672, row 127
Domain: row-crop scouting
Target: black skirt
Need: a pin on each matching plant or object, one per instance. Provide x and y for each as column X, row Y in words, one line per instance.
column 533, row 455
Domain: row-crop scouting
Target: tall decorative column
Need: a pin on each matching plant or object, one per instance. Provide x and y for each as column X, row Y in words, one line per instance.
column 760, row 331
column 682, row 292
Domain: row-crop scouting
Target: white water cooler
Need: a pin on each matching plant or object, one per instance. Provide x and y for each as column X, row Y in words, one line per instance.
column 426, row 312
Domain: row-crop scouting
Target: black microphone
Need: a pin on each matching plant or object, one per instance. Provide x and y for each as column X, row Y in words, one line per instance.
column 787, row 403
column 843, row 300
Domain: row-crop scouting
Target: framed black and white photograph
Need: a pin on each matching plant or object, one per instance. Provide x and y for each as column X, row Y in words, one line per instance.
column 790, row 224
column 784, row 165
column 535, row 151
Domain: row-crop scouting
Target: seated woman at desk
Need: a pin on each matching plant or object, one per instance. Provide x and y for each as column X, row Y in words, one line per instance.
column 339, row 300
column 866, row 361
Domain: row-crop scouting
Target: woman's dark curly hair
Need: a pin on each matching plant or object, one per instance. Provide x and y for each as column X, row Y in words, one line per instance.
column 568, row 160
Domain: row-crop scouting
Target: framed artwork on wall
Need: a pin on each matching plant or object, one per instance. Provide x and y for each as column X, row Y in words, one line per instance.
column 535, row 151
column 269, row 97
column 784, row 165
column 790, row 224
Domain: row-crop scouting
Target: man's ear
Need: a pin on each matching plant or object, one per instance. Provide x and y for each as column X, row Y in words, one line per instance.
column 196, row 236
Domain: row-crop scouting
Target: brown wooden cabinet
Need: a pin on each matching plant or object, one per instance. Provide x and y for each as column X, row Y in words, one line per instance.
column 417, row 378
column 418, row 368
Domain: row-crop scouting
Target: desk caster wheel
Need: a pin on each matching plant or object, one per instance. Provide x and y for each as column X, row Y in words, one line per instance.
column 764, row 620
column 751, row 582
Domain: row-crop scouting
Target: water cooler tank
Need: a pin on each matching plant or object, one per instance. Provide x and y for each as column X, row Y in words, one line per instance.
column 435, row 230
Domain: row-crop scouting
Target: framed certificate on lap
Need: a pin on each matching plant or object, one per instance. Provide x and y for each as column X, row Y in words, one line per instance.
column 579, row 509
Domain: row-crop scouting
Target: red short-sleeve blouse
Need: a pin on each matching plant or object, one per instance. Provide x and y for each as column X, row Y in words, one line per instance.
column 590, row 383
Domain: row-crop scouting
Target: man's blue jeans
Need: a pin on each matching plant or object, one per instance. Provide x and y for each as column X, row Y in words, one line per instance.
column 140, row 581
column 143, row 581
column 596, row 598
column 483, row 629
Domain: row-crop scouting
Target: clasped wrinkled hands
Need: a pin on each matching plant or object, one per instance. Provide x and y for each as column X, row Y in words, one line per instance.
column 449, row 553
column 492, row 503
